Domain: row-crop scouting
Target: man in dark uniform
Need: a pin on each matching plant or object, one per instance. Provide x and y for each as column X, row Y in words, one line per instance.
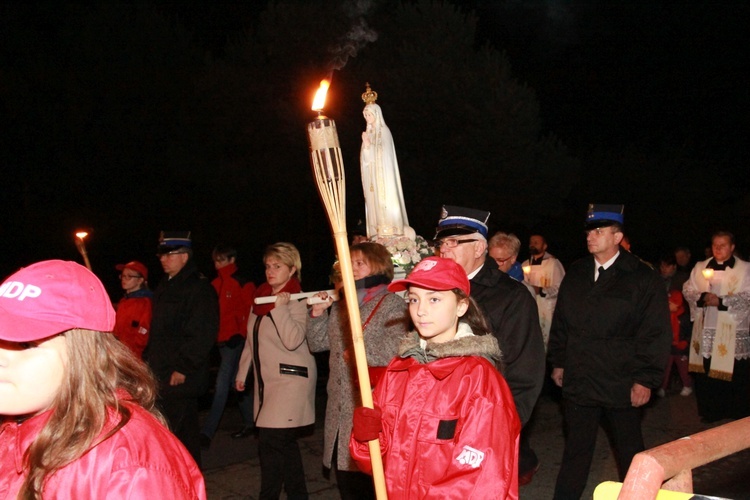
column 510, row 309
column 609, row 345
column 184, row 325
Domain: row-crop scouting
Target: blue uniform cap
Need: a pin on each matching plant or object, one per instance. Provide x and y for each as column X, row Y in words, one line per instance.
column 600, row 215
column 169, row 241
column 459, row 220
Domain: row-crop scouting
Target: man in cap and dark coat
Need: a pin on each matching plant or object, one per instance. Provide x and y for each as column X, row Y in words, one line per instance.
column 609, row 345
column 509, row 308
column 184, row 325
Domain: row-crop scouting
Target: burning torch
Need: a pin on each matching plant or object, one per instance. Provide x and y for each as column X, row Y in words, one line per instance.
column 328, row 170
column 81, row 245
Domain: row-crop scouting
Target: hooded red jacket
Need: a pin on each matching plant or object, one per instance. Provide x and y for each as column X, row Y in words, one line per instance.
column 450, row 427
column 235, row 300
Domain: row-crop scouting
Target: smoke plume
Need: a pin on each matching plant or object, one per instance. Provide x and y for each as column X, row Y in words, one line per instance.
column 359, row 34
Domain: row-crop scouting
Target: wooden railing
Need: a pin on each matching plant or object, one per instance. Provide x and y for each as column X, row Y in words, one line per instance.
column 674, row 462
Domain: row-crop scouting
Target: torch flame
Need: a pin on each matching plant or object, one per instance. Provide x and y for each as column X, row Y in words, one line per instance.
column 82, row 234
column 320, row 96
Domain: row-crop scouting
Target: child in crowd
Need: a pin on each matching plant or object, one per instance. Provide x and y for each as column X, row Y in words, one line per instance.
column 446, row 420
column 77, row 415
column 679, row 353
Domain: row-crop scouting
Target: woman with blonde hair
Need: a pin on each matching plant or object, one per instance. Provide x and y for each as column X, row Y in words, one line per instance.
column 285, row 374
column 77, row 414
column 384, row 322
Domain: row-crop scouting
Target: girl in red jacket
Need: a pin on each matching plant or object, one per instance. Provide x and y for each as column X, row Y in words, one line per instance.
column 446, row 420
column 679, row 353
column 77, row 415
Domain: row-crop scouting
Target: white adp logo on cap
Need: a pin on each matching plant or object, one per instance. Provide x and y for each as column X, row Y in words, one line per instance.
column 17, row 290
column 426, row 265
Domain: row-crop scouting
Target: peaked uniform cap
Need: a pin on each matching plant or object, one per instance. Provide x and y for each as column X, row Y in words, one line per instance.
column 170, row 241
column 601, row 215
column 460, row 220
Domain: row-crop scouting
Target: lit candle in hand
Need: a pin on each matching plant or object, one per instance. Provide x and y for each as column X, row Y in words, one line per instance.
column 526, row 271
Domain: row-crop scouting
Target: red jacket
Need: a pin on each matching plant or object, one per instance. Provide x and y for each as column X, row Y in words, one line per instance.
column 133, row 320
column 141, row 460
column 450, row 427
column 235, row 300
column 676, row 300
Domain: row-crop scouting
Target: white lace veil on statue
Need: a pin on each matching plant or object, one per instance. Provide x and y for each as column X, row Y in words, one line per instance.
column 385, row 210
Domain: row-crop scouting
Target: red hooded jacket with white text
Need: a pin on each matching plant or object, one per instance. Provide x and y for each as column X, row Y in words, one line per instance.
column 450, row 427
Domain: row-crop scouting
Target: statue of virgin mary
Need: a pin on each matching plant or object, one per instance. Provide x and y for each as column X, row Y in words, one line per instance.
column 385, row 210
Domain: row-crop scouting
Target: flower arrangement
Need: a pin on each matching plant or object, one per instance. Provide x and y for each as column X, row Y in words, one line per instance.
column 405, row 252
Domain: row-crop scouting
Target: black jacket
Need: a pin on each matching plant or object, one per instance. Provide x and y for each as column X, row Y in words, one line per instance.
column 184, row 325
column 611, row 333
column 514, row 318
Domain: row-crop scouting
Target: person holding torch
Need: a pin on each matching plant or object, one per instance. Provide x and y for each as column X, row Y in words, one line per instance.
column 285, row 374
column 385, row 322
column 444, row 415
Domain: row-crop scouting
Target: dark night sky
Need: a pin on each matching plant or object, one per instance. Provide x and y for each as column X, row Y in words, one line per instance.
column 630, row 79
column 605, row 72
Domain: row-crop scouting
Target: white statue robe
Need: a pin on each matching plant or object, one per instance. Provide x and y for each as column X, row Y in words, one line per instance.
column 385, row 210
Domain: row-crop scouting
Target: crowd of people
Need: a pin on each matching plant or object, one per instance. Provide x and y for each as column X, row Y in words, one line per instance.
column 457, row 352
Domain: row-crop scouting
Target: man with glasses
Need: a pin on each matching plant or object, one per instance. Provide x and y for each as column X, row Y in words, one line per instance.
column 504, row 248
column 609, row 345
column 183, row 330
column 133, row 320
column 509, row 308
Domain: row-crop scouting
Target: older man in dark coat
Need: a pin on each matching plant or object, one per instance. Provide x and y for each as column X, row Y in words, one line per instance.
column 183, row 330
column 609, row 345
column 510, row 309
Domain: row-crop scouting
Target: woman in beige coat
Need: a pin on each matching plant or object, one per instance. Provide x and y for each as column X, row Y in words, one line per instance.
column 285, row 374
column 385, row 320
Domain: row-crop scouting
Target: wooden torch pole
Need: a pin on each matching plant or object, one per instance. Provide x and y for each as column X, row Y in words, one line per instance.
column 328, row 170
column 81, row 245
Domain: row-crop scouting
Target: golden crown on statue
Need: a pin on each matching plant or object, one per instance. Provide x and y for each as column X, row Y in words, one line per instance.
column 369, row 96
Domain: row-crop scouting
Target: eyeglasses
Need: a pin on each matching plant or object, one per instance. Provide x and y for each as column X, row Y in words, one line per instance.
column 598, row 231
column 450, row 242
column 503, row 261
column 129, row 276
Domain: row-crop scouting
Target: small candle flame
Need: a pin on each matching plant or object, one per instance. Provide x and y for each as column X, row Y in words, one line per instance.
column 708, row 273
column 82, row 234
column 526, row 269
column 320, row 96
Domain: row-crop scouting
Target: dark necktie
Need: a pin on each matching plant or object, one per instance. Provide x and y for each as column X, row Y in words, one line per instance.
column 601, row 272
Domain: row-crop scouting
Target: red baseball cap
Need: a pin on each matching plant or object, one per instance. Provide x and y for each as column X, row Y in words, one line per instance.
column 135, row 266
column 434, row 273
column 50, row 297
